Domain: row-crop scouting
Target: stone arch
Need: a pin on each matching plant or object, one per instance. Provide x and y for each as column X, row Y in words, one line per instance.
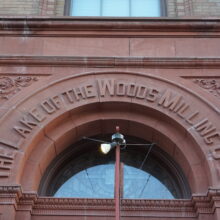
column 47, row 139
column 48, row 148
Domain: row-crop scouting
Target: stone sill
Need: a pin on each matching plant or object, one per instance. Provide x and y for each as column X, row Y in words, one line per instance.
column 28, row 25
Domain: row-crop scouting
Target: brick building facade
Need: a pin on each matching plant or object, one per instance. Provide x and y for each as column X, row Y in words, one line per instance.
column 63, row 78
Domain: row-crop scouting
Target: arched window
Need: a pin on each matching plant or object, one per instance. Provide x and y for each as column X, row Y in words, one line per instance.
column 82, row 171
column 117, row 8
column 98, row 182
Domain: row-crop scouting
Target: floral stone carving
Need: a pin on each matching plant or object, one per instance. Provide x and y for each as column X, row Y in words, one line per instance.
column 211, row 85
column 11, row 85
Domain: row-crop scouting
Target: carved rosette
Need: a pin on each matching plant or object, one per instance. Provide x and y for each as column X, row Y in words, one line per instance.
column 210, row 85
column 9, row 86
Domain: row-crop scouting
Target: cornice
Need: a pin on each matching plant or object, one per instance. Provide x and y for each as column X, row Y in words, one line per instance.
column 93, row 26
column 111, row 62
column 29, row 201
column 10, row 195
column 188, row 208
column 198, row 204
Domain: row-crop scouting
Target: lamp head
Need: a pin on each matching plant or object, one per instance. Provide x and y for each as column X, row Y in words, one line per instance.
column 105, row 148
column 117, row 139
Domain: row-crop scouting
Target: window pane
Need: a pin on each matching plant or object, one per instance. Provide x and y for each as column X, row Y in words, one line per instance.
column 139, row 184
column 136, row 8
column 115, row 8
column 85, row 8
column 94, row 182
column 145, row 8
column 98, row 182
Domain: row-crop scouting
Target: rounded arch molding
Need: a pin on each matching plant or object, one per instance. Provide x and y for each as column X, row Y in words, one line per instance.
column 144, row 106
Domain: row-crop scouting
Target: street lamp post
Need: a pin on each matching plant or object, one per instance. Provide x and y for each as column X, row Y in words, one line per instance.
column 117, row 183
column 117, row 140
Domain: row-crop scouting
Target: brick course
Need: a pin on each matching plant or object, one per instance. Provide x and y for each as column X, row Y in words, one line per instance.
column 194, row 8
column 59, row 8
column 175, row 8
column 19, row 7
column 206, row 7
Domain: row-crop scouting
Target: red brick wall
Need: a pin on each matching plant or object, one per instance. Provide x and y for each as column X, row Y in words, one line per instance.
column 32, row 7
column 196, row 8
column 22, row 7
column 179, row 8
column 47, row 7
column 206, row 7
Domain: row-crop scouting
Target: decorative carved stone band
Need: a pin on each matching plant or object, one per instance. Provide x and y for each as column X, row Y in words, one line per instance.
column 100, row 88
column 202, row 204
column 104, row 62
column 44, row 206
column 11, row 85
column 211, row 85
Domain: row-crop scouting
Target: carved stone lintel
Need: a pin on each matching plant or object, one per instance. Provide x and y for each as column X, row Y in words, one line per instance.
column 193, row 207
column 211, row 85
column 29, row 201
column 11, row 85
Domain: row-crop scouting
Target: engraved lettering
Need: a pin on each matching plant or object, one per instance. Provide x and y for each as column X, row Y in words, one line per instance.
column 4, row 174
column 90, row 91
column 205, row 127
column 5, row 164
column 28, row 123
column 172, row 101
column 182, row 111
column 206, row 130
column 22, row 131
column 8, row 144
column 131, row 90
column 209, row 138
column 69, row 95
column 180, row 106
column 141, row 92
column 189, row 118
column 168, row 100
column 120, row 89
column 37, row 115
column 79, row 92
column 48, row 107
column 201, row 123
column 152, row 95
column 56, row 101
column 6, row 161
column 6, row 154
column 106, row 85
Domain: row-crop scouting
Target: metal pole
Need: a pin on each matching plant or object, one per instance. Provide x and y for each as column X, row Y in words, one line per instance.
column 117, row 182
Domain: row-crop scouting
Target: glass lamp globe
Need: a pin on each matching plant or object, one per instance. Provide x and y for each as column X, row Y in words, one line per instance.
column 105, row 148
